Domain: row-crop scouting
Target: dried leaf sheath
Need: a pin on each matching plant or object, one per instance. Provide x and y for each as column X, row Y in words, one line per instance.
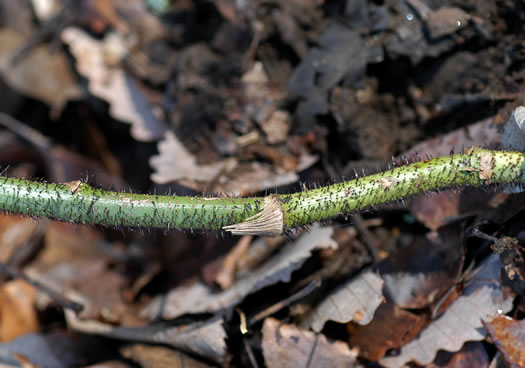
column 84, row 204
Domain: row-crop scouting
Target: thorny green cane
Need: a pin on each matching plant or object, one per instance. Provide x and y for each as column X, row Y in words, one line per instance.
column 272, row 215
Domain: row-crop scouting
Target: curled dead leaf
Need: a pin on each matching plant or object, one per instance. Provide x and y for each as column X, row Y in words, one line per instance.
column 114, row 85
column 174, row 163
column 199, row 298
column 355, row 300
column 482, row 298
column 287, row 345
column 509, row 336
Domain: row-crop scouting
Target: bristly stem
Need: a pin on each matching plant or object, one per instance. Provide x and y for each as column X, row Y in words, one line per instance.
column 275, row 214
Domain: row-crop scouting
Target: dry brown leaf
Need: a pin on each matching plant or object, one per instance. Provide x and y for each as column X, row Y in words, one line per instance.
column 174, row 163
column 110, row 364
column 129, row 16
column 418, row 275
column 160, row 357
column 199, row 298
column 262, row 98
column 114, row 85
column 15, row 232
column 415, row 277
column 40, row 74
column 472, row 354
column 509, row 337
column 205, row 339
column 482, row 298
column 18, row 16
column 355, row 300
column 70, row 261
column 484, row 132
column 255, row 177
column 53, row 350
column 513, row 137
column 286, row 345
column 226, row 275
column 446, row 20
column 391, row 328
column 64, row 243
column 17, row 310
column 259, row 251
column 277, row 126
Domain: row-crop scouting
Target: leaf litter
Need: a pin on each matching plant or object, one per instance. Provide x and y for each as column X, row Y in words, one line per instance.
column 114, row 85
column 508, row 335
column 199, row 298
column 355, row 300
column 415, row 278
column 482, row 298
column 253, row 96
column 286, row 345
column 205, row 339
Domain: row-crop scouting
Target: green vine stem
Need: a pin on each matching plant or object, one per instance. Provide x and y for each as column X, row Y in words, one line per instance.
column 275, row 214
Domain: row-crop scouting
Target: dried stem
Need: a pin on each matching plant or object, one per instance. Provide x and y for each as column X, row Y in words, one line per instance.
column 77, row 202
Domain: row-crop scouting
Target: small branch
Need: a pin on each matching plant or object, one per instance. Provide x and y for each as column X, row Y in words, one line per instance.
column 77, row 202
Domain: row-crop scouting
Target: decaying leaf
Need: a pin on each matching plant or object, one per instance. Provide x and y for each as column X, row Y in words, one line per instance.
column 64, row 244
column 205, row 339
column 391, row 328
column 418, row 275
column 17, row 310
column 415, row 277
column 199, row 298
column 57, row 350
column 446, row 20
column 110, row 364
column 509, row 336
column 287, row 345
column 114, row 85
column 277, row 126
column 70, row 260
column 472, row 354
column 462, row 321
column 252, row 177
column 355, row 300
column 174, row 163
column 262, row 99
column 39, row 74
column 226, row 274
column 128, row 16
column 15, row 233
column 159, row 356
column 513, row 136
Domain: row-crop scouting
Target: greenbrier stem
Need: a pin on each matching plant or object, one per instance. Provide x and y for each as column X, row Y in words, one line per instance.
column 275, row 214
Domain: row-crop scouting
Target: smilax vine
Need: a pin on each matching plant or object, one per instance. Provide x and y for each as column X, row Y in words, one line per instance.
column 272, row 215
